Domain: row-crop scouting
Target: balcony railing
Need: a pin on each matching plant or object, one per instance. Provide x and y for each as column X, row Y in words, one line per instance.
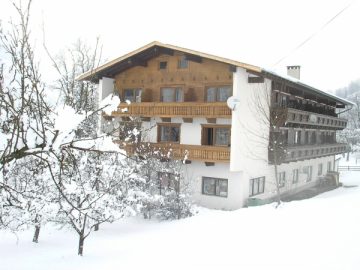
column 302, row 152
column 175, row 109
column 294, row 117
column 203, row 153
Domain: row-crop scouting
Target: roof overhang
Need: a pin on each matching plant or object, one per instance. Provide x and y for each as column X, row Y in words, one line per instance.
column 140, row 57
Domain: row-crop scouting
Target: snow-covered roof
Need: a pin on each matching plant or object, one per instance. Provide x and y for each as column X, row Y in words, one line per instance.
column 141, row 55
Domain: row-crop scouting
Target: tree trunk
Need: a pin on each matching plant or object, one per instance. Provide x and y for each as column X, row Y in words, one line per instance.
column 348, row 156
column 81, row 244
column 96, row 228
column 36, row 233
column 276, row 178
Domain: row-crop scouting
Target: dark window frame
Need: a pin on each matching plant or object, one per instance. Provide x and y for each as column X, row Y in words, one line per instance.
column 183, row 63
column 217, row 182
column 320, row 169
column 295, row 174
column 170, row 181
column 134, row 97
column 174, row 93
column 252, row 181
column 125, row 129
column 217, row 92
column 282, row 179
column 205, row 139
column 168, row 125
column 163, row 65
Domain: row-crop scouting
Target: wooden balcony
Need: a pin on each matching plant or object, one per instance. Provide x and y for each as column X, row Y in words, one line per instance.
column 175, row 109
column 298, row 118
column 303, row 152
column 203, row 153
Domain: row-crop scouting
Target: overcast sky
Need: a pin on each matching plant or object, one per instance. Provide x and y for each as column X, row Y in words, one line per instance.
column 258, row 32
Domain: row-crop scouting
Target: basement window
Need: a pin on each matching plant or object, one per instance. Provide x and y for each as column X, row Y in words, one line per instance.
column 320, row 169
column 215, row 186
column 256, row 186
column 295, row 175
column 308, row 171
column 281, row 179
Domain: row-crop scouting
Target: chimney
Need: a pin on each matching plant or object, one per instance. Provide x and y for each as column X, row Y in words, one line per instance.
column 293, row 71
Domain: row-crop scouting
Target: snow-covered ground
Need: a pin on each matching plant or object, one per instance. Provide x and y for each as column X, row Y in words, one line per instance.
column 318, row 233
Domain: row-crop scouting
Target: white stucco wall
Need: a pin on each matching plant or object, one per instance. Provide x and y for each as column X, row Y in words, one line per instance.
column 249, row 132
column 105, row 88
column 196, row 170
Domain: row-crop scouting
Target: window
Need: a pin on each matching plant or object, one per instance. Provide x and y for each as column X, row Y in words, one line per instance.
column 183, row 63
column 162, row 65
column 215, row 186
column 172, row 94
column 213, row 135
column 295, row 175
column 320, row 169
column 168, row 180
column 133, row 95
column 221, row 93
column 256, row 186
column 281, row 179
column 329, row 166
column 169, row 133
column 130, row 131
column 308, row 171
column 297, row 138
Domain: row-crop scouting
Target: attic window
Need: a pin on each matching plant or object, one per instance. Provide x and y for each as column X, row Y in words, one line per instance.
column 162, row 65
column 182, row 63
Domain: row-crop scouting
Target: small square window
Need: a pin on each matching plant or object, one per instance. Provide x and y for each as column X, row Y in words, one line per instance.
column 163, row 65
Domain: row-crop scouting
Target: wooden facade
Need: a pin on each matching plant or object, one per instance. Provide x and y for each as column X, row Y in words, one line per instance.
column 193, row 80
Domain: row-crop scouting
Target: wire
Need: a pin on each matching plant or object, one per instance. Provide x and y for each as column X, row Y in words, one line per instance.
column 315, row 33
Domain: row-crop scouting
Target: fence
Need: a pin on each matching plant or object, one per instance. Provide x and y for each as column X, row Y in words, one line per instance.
column 349, row 168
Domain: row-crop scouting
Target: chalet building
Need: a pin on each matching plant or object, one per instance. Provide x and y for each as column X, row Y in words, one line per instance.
column 219, row 114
